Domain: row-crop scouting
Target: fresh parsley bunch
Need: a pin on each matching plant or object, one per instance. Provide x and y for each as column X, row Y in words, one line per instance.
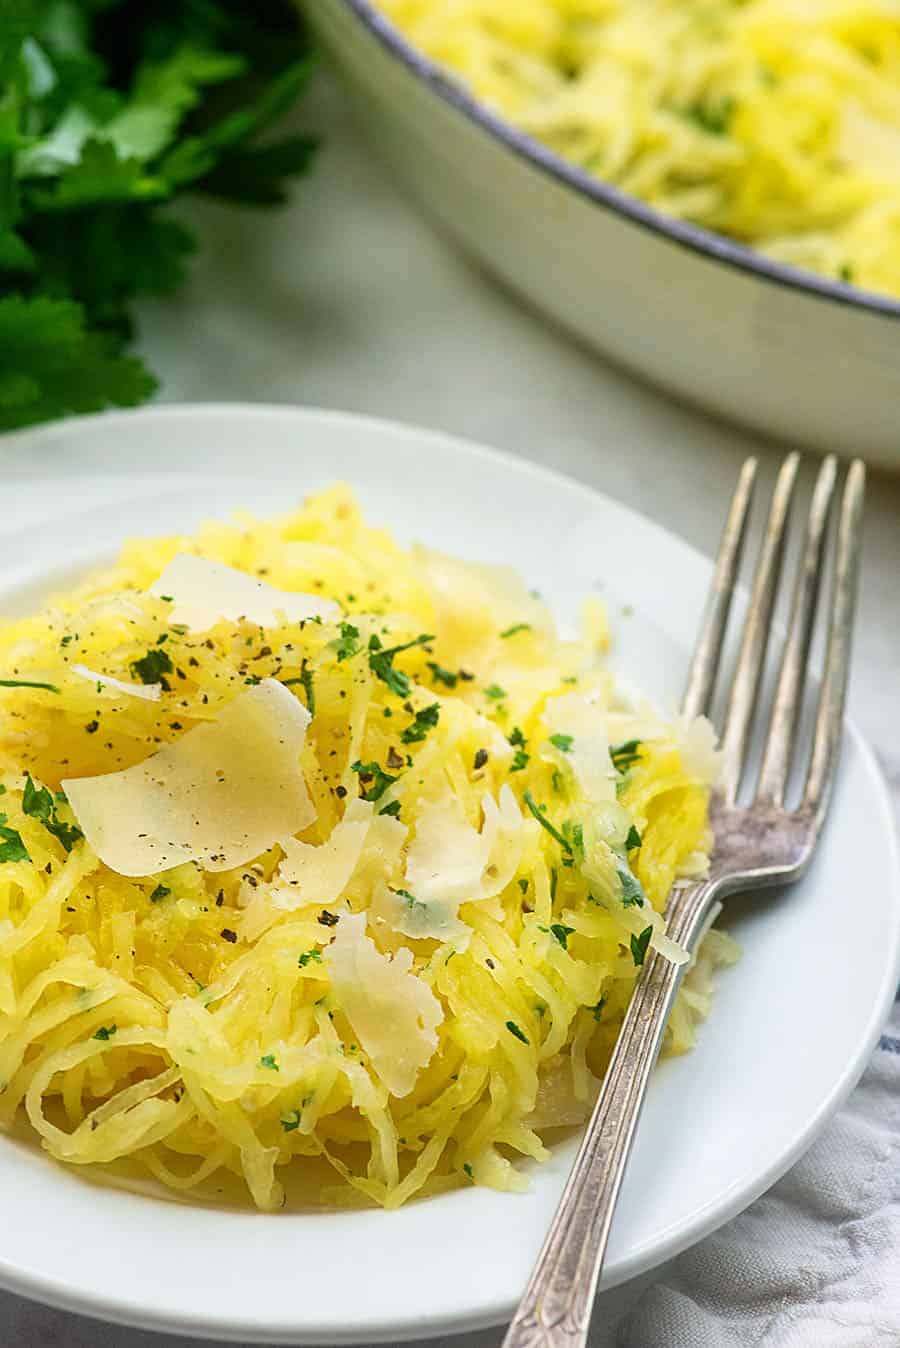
column 109, row 109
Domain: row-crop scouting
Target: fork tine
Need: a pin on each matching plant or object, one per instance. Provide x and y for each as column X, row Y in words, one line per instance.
column 705, row 661
column 742, row 700
column 782, row 727
column 830, row 715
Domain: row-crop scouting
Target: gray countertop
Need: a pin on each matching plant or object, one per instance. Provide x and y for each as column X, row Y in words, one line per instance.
column 347, row 299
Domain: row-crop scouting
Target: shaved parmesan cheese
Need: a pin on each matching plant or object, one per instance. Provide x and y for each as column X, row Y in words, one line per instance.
column 220, row 795
column 394, row 1013
column 321, row 874
column 205, row 592
column 150, row 692
column 450, row 863
column 588, row 757
column 474, row 601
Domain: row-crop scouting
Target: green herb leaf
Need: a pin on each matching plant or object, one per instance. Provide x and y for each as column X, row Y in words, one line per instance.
column 633, row 840
column 291, row 1122
column 39, row 804
column 518, row 1034
column 106, row 1032
column 12, row 847
column 633, row 895
column 562, row 742
column 561, row 933
column 520, row 761
column 624, row 756
column 639, row 945
column 545, row 822
column 25, row 683
column 381, row 662
column 153, row 667
column 309, row 957
column 374, row 774
column 495, row 692
column 392, row 808
column 268, row 1061
column 347, row 644
column 597, row 1009
column 160, row 892
column 516, row 627
column 441, row 675
column 424, row 720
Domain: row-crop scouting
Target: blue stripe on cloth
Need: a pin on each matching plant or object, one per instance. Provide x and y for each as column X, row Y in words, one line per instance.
column 888, row 1044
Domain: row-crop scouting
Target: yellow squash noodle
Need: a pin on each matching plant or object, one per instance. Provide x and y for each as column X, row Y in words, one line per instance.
column 774, row 121
column 199, row 1027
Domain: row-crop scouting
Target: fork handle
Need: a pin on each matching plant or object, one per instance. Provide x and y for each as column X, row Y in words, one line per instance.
column 555, row 1311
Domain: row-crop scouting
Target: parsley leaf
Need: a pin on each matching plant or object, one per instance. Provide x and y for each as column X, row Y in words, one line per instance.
column 424, row 720
column 153, row 667
column 624, row 756
column 597, row 1009
column 495, row 692
column 516, row 1032
column 441, row 675
column 268, row 1061
column 639, row 945
column 23, row 683
column 110, row 112
column 561, row 933
column 562, row 742
column 309, row 957
column 39, row 804
column 633, row 840
column 516, row 627
column 160, row 892
column 633, row 895
column 105, row 1033
column 347, row 644
column 392, row 808
column 374, row 774
column 545, row 823
column 12, row 847
column 381, row 662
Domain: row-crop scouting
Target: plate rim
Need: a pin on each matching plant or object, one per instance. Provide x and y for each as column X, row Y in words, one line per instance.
column 740, row 1193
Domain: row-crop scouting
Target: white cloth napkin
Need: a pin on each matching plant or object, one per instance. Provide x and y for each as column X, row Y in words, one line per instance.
column 815, row 1262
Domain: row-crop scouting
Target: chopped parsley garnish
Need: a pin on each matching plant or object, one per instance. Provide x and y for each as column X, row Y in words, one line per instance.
column 153, row 667
column 441, row 675
column 309, row 957
column 374, row 774
column 516, row 627
column 160, row 892
column 468, row 1170
column 392, row 808
column 494, row 692
column 291, row 1122
column 268, row 1061
column 624, row 756
column 633, row 895
column 12, row 847
column 845, row 274
column 561, row 933
column 39, row 804
column 307, row 679
column 381, row 662
column 411, row 900
column 639, row 945
column 347, row 644
column 523, row 885
column 514, row 1030
column 597, row 1009
column 424, row 720
column 574, row 835
column 520, row 761
column 106, row 1032
column 562, row 742
column 545, row 822
column 633, row 840
column 28, row 683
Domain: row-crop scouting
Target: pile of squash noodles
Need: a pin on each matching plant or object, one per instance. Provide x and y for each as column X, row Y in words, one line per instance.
column 776, row 122
column 186, row 1026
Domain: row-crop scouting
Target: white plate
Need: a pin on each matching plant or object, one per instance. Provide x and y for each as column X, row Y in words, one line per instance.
column 793, row 1024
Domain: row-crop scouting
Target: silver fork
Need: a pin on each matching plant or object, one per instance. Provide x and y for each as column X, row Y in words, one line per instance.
column 764, row 843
